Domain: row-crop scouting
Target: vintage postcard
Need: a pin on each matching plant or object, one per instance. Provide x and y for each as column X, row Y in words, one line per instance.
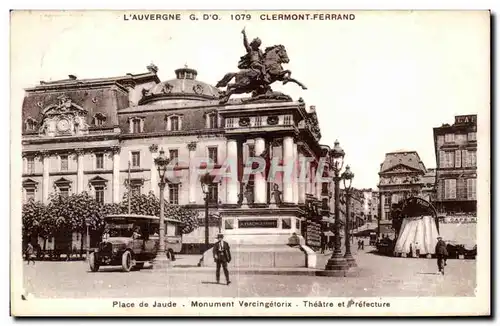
column 244, row 163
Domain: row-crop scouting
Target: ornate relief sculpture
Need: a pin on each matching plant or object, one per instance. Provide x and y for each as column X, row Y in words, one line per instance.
column 64, row 118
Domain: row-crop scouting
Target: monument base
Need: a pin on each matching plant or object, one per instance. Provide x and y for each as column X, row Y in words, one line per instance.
column 266, row 256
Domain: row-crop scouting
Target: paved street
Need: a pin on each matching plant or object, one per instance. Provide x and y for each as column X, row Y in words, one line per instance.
column 378, row 276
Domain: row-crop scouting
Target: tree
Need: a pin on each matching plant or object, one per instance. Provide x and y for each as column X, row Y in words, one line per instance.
column 74, row 213
column 150, row 205
column 33, row 214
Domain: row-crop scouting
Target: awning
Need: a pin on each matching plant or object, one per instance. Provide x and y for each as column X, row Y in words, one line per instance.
column 328, row 233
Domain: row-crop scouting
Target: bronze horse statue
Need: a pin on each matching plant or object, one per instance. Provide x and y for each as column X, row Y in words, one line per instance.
column 249, row 80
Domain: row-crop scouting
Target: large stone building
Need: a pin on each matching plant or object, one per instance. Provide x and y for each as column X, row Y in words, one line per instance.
column 456, row 146
column 402, row 174
column 102, row 136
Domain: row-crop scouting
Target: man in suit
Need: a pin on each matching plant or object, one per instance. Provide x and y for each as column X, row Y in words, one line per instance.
column 441, row 254
column 222, row 256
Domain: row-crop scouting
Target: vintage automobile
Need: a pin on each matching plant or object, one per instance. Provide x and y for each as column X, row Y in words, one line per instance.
column 130, row 241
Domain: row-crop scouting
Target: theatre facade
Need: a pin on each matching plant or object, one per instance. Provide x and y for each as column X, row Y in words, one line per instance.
column 102, row 135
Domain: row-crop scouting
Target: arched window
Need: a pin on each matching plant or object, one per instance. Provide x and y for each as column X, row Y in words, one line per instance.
column 30, row 124
column 99, row 119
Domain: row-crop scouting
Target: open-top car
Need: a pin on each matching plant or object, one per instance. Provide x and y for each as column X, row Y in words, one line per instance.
column 130, row 241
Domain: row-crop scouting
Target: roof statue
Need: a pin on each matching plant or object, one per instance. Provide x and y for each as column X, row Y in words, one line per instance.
column 258, row 70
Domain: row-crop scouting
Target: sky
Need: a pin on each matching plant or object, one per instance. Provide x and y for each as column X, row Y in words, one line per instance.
column 379, row 83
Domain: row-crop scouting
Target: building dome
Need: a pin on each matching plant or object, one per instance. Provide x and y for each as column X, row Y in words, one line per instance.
column 183, row 87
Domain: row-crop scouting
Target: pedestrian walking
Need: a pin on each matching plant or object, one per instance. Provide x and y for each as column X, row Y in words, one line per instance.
column 30, row 253
column 441, row 254
column 362, row 244
column 222, row 256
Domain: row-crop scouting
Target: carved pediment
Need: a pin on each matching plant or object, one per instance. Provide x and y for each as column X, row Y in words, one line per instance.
column 313, row 124
column 64, row 118
column 401, row 168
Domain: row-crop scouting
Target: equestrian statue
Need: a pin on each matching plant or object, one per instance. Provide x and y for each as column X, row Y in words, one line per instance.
column 258, row 70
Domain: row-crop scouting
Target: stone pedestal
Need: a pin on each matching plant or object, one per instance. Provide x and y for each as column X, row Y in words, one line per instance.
column 263, row 238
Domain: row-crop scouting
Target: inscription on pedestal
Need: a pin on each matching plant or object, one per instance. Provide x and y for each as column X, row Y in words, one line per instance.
column 242, row 224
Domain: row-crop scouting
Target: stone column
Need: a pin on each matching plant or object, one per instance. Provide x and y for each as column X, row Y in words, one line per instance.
column 45, row 180
column 295, row 174
column 232, row 182
column 116, row 174
column 192, row 173
column 382, row 206
column 287, row 178
column 302, row 179
column 307, row 181
column 260, row 187
column 154, row 171
column 79, row 171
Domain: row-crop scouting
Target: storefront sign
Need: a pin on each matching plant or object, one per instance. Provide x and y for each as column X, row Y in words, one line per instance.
column 257, row 224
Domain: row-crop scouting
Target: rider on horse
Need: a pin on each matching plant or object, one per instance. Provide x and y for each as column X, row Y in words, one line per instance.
column 254, row 57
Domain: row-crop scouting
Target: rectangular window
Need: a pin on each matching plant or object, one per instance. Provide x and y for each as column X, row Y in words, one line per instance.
column 471, row 136
column 99, row 161
column 449, row 138
column 213, row 193
column 450, row 188
column 230, row 122
column 458, row 158
column 460, row 138
column 447, row 159
column 465, row 159
column 471, row 189
column 64, row 191
column 212, row 154
column 64, row 162
column 212, row 121
column 287, row 120
column 99, row 194
column 174, row 155
column 440, row 140
column 136, row 125
column 135, row 189
column 472, row 158
column 258, row 121
column 174, row 123
column 387, row 200
column 30, row 165
column 173, row 194
column 30, row 194
column 136, row 159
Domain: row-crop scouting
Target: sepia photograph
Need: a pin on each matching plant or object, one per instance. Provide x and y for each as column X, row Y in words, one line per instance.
column 242, row 163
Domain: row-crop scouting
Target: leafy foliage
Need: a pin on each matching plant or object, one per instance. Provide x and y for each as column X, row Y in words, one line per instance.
column 73, row 213
column 150, row 205
column 33, row 215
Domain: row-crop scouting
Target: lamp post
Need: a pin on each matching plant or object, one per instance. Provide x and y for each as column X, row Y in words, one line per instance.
column 162, row 162
column 347, row 177
column 337, row 265
column 205, row 182
column 87, row 238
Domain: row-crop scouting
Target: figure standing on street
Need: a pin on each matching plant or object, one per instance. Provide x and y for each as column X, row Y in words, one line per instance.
column 222, row 256
column 441, row 254
column 362, row 244
column 30, row 253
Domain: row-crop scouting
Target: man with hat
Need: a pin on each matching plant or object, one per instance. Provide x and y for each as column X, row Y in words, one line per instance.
column 441, row 254
column 222, row 256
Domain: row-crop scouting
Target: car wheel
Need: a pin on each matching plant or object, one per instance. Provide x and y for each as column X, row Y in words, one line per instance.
column 94, row 265
column 126, row 261
column 139, row 265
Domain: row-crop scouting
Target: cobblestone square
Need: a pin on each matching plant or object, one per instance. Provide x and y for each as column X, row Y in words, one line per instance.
column 378, row 276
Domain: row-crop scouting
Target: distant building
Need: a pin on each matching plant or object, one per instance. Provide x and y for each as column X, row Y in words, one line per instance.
column 456, row 146
column 370, row 204
column 402, row 174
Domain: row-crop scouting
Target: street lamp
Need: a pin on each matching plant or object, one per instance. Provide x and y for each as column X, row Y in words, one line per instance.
column 87, row 238
column 205, row 181
column 162, row 162
column 337, row 265
column 347, row 177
